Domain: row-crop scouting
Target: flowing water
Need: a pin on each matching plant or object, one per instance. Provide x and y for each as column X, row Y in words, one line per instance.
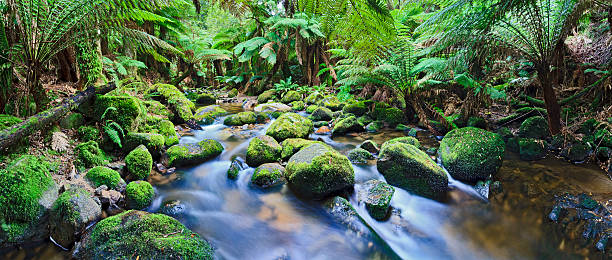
column 244, row 222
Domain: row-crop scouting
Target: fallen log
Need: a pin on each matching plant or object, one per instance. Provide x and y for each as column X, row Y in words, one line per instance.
column 16, row 133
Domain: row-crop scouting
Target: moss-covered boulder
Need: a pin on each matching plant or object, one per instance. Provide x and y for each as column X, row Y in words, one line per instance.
column 291, row 96
column 232, row 93
column 153, row 142
column 7, row 121
column 145, row 235
column 377, row 195
column 534, row 127
column 177, row 101
column 244, row 118
column 355, row 108
column 263, row 149
column 407, row 167
column 478, row 122
column 207, row 115
column 313, row 98
column 236, row 166
column 158, row 109
column 268, row 175
column 167, row 130
column 290, row 125
column 365, row 120
column 393, row 116
column 531, row 149
column 127, row 111
column 505, row 133
column 101, row 175
column 72, row 121
column 266, row 96
column 88, row 133
column 89, row 155
column 27, row 193
column 331, row 102
column 189, row 154
column 369, row 146
column 578, row 151
column 406, row 140
column 206, row 99
column 298, row 105
column 347, row 125
column 374, row 127
column 359, row 156
column 139, row 194
column 310, row 109
column 71, row 213
column 317, row 171
column 293, row 145
column 321, row 114
column 139, row 163
column 472, row 154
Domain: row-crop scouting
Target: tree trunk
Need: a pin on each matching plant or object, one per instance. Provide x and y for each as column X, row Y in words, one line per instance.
column 12, row 135
column 104, row 45
column 550, row 99
column 67, row 68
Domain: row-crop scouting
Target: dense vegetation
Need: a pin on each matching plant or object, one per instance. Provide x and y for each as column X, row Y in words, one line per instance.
column 526, row 76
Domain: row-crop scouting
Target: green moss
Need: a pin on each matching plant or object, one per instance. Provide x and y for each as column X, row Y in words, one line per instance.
column 139, row 194
column 100, row 175
column 531, row 149
column 7, row 121
column 321, row 114
column 266, row 96
column 360, row 156
column 313, row 98
column 331, row 102
column 346, row 125
column 242, row 118
column 268, row 175
column 235, row 168
column 139, row 163
column 298, row 105
column 406, row 140
column 471, row 154
column 317, row 171
column 232, row 93
column 374, row 126
column 263, row 149
column 72, row 121
column 534, row 127
column 369, row 146
column 577, row 152
column 365, row 120
column 356, row 108
column 407, row 167
column 207, row 115
column 88, row 133
column 128, row 113
column 378, row 200
column 65, row 208
column 166, row 129
column 290, row 125
column 137, row 234
column 505, row 133
column 153, row 142
column 89, row 155
column 187, row 154
column 291, row 96
column 293, row 145
column 311, row 109
column 179, row 104
column 393, row 116
column 157, row 108
column 206, row 99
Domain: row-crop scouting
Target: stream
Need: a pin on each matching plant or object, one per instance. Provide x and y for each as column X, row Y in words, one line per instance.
column 245, row 222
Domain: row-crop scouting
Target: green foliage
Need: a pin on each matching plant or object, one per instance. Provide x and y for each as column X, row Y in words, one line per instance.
column 283, row 86
column 113, row 130
column 118, row 68
column 100, row 175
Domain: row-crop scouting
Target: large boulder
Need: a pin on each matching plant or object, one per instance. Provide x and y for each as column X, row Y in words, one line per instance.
column 290, row 125
column 313, row 98
column 139, row 194
column 534, row 127
column 321, row 114
column 71, row 213
column 407, row 167
column 359, row 156
column 207, row 115
column 356, row 108
column 376, row 195
column 471, row 154
column 138, row 234
column 127, row 111
column 272, row 107
column 101, row 175
column 244, row 118
column 406, row 140
column 347, row 125
column 266, row 96
column 263, row 149
column 153, row 142
column 27, row 194
column 139, row 163
column 317, row 171
column 531, row 149
column 268, row 175
column 292, row 146
column 291, row 96
column 189, row 154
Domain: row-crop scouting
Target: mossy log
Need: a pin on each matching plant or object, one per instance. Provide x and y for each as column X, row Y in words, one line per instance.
column 14, row 134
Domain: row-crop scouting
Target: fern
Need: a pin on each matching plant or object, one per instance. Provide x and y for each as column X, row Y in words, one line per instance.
column 114, row 132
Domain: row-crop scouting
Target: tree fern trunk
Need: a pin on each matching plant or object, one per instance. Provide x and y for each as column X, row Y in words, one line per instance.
column 550, row 99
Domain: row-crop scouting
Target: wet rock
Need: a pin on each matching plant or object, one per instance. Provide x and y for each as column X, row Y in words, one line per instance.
column 364, row 120
column 406, row 140
column 244, row 118
column 471, row 154
column 377, row 198
column 139, row 194
column 142, row 234
column 266, row 96
column 235, row 168
column 207, row 115
column 321, row 114
column 291, row 96
column 347, row 125
column 313, row 98
column 153, row 142
column 356, row 108
column 311, row 109
column 317, row 171
column 290, row 125
column 369, row 146
column 374, row 127
column 534, row 127
column 577, row 152
column 269, row 175
column 139, row 163
column 324, row 130
column 272, row 107
column 531, row 149
column 407, row 167
column 189, row 154
column 359, row 156
column 73, row 210
column 263, row 149
column 173, row 208
column 321, row 124
column 293, row 145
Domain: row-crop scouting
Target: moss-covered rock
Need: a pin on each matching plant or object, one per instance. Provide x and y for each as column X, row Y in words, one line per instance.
column 321, row 114
column 310, row 109
column 478, row 122
column 101, row 175
column 7, row 121
column 331, row 102
column 157, row 108
column 471, row 154
column 531, row 149
column 89, row 155
column 298, row 105
column 319, row 124
column 347, row 125
column 72, row 121
column 263, row 149
column 505, row 133
column 166, row 129
column 153, row 142
column 290, row 125
column 236, row 166
column 317, row 171
column 139, row 194
column 27, row 193
column 127, row 111
column 577, row 151
column 356, row 108
column 293, row 145
column 207, row 115
column 377, row 196
column 393, row 116
column 268, row 175
column 139, row 163
column 206, row 99
column 359, row 156
column 266, row 96
column 88, row 133
column 374, row 127
column 243, row 118
column 369, row 146
column 291, row 96
column 73, row 210
column 232, row 93
column 272, row 108
column 146, row 235
column 534, row 127
column 313, row 98
column 364, row 120
column 406, row 140
column 407, row 167
column 189, row 154
column 177, row 101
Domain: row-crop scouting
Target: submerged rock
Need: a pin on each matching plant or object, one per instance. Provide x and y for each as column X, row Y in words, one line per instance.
column 471, row 154
column 189, row 154
column 71, row 213
column 407, row 167
column 531, row 149
column 290, row 125
column 377, row 197
column 268, row 175
column 235, row 168
column 317, row 171
column 173, row 208
column 263, row 149
column 143, row 235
